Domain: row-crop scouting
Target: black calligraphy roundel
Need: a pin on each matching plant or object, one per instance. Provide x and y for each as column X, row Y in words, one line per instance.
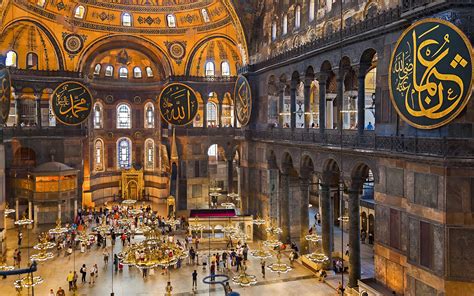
column 71, row 103
column 243, row 100
column 5, row 94
column 430, row 73
column 178, row 104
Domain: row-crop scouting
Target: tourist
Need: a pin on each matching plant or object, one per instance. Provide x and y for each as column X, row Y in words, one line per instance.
column 340, row 289
column 195, row 279
column 74, row 281
column 83, row 272
column 292, row 257
column 70, row 280
column 370, row 126
column 347, row 250
column 106, row 257
column 92, row 275
column 322, row 275
column 227, row 288
column 116, row 262
column 51, row 293
column 213, row 271
column 169, row 288
column 60, row 292
column 20, row 237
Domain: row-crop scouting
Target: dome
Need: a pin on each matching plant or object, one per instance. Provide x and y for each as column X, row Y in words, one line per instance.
column 52, row 167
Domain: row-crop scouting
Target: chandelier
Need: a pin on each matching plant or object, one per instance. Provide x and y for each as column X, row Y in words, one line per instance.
column 279, row 266
column 43, row 246
column 129, row 202
column 244, row 279
column 24, row 221
column 135, row 212
column 8, row 211
column 316, row 256
column 58, row 229
column 28, row 281
column 195, row 225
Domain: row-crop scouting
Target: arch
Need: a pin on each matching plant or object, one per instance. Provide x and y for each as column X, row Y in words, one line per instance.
column 284, row 24
column 298, row 16
column 225, row 69
column 137, row 72
column 326, row 67
column 287, row 166
column 199, row 46
column 123, row 72
column 360, row 173
column 32, row 61
column 150, row 49
column 307, row 166
column 149, row 72
column 149, row 111
column 149, row 154
column 98, row 115
column 126, row 19
column 311, row 10
column 24, row 157
column 124, row 153
column 109, row 71
column 331, row 172
column 99, row 165
column 371, row 8
column 271, row 160
column 51, row 38
column 79, row 12
column 171, row 21
column 210, row 69
column 364, row 222
column 124, row 116
column 11, row 59
column 97, row 69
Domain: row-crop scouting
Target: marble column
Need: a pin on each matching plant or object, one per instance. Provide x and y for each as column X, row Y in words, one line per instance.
column 219, row 113
column 30, row 213
column 36, row 210
column 17, row 209
column 230, row 176
column 307, row 104
column 326, row 222
column 38, row 109
column 293, row 106
column 284, row 206
column 59, row 209
column 354, row 238
column 18, row 109
column 322, row 102
column 204, row 112
column 361, row 102
column 304, row 214
column 339, row 101
column 281, row 106
column 75, row 210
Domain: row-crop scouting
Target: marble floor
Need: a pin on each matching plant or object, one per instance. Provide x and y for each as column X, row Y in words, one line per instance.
column 300, row 281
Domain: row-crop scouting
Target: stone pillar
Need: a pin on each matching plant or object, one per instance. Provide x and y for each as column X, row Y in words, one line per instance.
column 36, row 210
column 339, row 100
column 322, row 102
column 304, row 214
column 293, row 105
column 17, row 209
column 354, row 238
column 361, row 102
column 281, row 105
column 284, row 206
column 326, row 222
column 219, row 113
column 204, row 112
column 30, row 213
column 230, row 176
column 17, row 109
column 75, row 210
column 307, row 105
column 38, row 109
column 59, row 209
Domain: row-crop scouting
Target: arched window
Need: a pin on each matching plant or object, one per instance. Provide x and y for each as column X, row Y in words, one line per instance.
column 297, row 17
column 12, row 60
column 149, row 72
column 311, row 10
column 97, row 69
column 137, row 72
column 126, row 20
column 123, row 72
column 211, row 114
column 149, row 154
column 79, row 12
column 109, row 71
column 225, row 68
column 285, row 24
column 205, row 15
column 99, row 155
column 97, row 115
column 171, row 20
column 149, row 115
column 124, row 116
column 32, row 61
column 41, row 3
column 210, row 69
column 274, row 31
column 124, row 153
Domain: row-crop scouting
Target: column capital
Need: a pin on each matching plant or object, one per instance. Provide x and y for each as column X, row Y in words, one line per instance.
column 322, row 77
column 362, row 69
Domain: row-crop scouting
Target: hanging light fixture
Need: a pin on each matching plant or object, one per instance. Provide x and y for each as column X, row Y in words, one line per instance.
column 279, row 267
column 244, row 279
column 28, row 281
column 58, row 229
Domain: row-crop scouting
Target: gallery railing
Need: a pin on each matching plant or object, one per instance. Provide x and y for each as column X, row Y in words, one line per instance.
column 444, row 147
column 29, row 132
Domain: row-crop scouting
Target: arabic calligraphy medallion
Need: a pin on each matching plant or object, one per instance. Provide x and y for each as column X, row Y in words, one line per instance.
column 243, row 100
column 71, row 103
column 5, row 94
column 178, row 104
column 430, row 73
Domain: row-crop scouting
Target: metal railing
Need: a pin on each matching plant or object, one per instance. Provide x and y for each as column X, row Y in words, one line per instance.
column 32, row 132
